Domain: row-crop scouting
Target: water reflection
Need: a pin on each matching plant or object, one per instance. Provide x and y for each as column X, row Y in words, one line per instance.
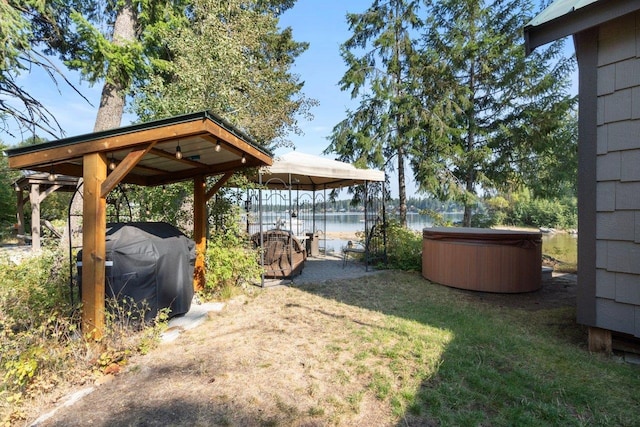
column 562, row 246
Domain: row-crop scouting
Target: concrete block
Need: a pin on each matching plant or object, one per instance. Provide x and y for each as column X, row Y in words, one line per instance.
column 608, row 167
column 628, row 73
column 605, row 284
column 627, row 288
column 619, row 225
column 606, row 196
column 617, row 106
column 623, row 135
column 630, row 165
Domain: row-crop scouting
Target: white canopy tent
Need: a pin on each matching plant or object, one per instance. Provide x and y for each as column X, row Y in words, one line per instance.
column 309, row 172
column 296, row 184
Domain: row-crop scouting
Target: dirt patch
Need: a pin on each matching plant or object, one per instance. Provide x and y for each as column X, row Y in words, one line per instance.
column 559, row 291
column 283, row 356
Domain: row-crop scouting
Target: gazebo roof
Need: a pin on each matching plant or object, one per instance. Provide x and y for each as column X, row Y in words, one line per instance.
column 208, row 144
column 65, row 182
column 309, row 172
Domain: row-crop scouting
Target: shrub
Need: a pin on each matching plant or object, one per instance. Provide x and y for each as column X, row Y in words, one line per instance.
column 545, row 213
column 40, row 343
column 231, row 264
column 404, row 247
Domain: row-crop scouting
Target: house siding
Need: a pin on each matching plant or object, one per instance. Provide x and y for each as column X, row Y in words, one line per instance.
column 618, row 176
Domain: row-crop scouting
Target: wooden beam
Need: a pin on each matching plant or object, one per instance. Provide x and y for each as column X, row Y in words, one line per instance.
column 199, row 231
column 600, row 340
column 223, row 179
column 218, row 169
column 20, row 216
column 172, row 156
column 94, row 230
column 51, row 189
column 107, row 144
column 241, row 145
column 34, row 199
column 124, row 167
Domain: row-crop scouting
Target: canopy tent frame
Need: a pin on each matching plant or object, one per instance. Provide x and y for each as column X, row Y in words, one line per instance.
column 297, row 171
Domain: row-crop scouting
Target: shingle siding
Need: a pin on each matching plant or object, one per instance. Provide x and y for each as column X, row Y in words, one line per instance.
column 618, row 177
column 616, row 316
column 617, row 106
column 627, row 288
column 619, row 225
column 630, row 166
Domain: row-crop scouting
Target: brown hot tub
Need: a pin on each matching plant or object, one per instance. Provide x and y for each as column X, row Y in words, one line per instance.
column 481, row 259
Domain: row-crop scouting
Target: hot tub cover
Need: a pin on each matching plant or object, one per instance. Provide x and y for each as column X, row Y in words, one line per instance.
column 152, row 262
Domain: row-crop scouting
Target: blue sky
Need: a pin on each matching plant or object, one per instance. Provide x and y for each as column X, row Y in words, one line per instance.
column 320, row 67
column 322, row 24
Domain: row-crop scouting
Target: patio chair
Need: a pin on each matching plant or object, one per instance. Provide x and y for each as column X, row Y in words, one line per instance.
column 360, row 247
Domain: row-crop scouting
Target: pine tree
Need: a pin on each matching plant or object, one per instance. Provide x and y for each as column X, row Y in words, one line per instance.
column 380, row 55
column 505, row 107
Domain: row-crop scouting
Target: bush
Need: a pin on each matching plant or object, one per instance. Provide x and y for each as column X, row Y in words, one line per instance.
column 545, row 213
column 404, row 247
column 230, row 265
column 40, row 343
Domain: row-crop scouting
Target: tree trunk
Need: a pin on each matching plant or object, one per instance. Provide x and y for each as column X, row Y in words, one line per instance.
column 402, row 188
column 471, row 139
column 115, row 89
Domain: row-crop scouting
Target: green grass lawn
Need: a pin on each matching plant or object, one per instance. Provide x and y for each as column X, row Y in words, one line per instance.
column 443, row 357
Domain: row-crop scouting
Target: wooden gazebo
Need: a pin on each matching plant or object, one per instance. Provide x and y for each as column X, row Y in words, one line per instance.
column 188, row 147
column 38, row 186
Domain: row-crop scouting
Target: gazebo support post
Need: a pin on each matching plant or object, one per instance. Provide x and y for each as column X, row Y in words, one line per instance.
column 20, row 215
column 94, row 229
column 34, row 199
column 199, row 231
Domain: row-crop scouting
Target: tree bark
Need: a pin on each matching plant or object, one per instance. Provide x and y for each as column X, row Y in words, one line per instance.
column 402, row 188
column 115, row 89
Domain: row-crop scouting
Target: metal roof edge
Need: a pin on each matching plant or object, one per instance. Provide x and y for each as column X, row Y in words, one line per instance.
column 575, row 20
column 201, row 115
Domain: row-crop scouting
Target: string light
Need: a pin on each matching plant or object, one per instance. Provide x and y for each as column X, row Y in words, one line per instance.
column 178, row 152
column 112, row 163
column 218, row 147
column 243, row 160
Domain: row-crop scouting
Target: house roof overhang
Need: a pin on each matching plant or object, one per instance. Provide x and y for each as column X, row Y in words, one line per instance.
column 566, row 17
column 209, row 146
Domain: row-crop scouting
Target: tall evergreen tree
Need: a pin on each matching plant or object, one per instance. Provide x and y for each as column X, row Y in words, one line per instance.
column 505, row 106
column 111, row 43
column 231, row 59
column 380, row 55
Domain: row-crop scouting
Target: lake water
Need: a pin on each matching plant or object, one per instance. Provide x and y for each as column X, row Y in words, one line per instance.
column 561, row 246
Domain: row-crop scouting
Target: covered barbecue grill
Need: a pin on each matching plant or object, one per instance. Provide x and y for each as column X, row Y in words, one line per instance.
column 151, row 264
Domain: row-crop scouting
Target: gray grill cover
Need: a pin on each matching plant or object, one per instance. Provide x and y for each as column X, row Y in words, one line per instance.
column 152, row 262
